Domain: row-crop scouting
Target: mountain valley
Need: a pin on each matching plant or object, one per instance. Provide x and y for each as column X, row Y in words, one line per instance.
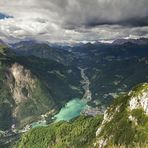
column 41, row 82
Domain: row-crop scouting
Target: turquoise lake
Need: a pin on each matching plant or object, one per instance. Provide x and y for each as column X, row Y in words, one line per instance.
column 72, row 109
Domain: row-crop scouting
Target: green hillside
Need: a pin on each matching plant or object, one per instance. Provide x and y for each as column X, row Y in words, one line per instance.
column 125, row 124
column 79, row 132
column 30, row 87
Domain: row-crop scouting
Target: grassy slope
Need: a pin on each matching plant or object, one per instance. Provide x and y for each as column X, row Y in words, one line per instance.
column 78, row 133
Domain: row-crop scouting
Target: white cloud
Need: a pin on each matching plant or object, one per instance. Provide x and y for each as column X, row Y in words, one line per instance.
column 73, row 20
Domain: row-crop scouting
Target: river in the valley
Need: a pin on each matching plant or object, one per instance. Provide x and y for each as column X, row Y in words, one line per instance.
column 74, row 107
column 85, row 84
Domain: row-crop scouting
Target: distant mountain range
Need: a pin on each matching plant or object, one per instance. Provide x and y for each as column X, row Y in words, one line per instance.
column 141, row 41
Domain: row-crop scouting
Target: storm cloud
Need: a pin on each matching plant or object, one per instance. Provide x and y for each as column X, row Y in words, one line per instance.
column 99, row 12
column 74, row 20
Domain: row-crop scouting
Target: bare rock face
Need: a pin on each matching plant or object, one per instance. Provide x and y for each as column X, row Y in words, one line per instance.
column 139, row 99
column 21, row 83
column 31, row 97
column 135, row 101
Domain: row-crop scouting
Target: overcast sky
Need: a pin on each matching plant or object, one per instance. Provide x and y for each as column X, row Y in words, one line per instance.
column 73, row 20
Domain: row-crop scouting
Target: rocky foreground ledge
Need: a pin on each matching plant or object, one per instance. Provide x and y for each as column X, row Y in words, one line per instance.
column 126, row 120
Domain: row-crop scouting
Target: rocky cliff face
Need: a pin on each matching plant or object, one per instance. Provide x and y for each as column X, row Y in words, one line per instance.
column 125, row 120
column 139, row 98
column 31, row 98
column 21, row 82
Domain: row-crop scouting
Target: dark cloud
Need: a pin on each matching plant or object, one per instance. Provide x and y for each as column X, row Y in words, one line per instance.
column 137, row 22
column 75, row 13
